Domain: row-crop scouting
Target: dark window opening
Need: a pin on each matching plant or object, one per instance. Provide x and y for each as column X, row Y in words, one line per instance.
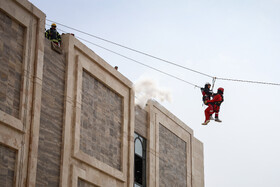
column 138, row 170
column 139, row 161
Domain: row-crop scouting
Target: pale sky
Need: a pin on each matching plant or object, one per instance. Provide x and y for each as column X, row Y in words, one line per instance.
column 224, row 38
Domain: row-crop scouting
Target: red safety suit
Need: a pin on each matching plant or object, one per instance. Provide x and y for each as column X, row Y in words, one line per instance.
column 213, row 106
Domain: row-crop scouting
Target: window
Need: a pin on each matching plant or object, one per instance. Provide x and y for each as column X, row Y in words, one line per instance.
column 139, row 161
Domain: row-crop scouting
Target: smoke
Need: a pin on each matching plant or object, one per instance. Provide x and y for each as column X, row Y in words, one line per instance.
column 146, row 88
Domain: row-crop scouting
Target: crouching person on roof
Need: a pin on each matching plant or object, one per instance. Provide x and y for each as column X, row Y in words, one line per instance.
column 214, row 106
column 53, row 35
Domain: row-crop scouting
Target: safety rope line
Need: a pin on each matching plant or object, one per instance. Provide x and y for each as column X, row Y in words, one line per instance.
column 141, row 63
column 248, row 81
column 196, row 86
column 214, row 78
column 134, row 50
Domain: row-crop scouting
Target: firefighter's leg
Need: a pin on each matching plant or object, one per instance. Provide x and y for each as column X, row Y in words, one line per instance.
column 216, row 110
column 208, row 112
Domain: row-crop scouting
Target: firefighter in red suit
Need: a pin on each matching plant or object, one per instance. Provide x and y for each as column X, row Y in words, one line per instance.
column 214, row 106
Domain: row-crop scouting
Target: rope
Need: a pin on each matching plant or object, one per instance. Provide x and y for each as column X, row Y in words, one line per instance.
column 134, row 50
column 248, row 81
column 170, row 75
column 138, row 62
column 169, row 62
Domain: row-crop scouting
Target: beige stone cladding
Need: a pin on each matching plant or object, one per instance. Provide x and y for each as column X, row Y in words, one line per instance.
column 21, row 60
column 174, row 156
column 82, row 183
column 99, row 120
column 198, row 163
column 51, row 121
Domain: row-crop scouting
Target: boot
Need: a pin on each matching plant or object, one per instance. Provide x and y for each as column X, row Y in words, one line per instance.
column 218, row 120
column 206, row 122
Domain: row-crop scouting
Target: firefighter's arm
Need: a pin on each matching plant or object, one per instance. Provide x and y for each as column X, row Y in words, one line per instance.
column 47, row 34
column 216, row 98
column 58, row 37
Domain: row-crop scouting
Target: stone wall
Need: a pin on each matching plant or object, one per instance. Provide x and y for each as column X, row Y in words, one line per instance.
column 7, row 166
column 51, row 123
column 198, row 163
column 141, row 121
column 175, row 156
column 69, row 120
column 172, row 159
column 21, row 59
column 101, row 122
column 11, row 57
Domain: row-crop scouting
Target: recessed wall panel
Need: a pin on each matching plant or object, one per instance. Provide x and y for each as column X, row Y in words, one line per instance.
column 172, row 159
column 7, row 166
column 101, row 122
column 11, row 58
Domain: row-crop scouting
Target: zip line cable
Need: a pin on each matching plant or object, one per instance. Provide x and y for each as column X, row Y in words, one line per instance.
column 131, row 49
column 247, row 81
column 170, row 75
column 138, row 62
column 214, row 78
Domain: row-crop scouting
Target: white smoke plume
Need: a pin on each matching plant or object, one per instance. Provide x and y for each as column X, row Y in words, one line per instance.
column 147, row 88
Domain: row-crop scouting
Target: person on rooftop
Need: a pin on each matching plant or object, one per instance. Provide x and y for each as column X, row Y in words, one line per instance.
column 53, row 35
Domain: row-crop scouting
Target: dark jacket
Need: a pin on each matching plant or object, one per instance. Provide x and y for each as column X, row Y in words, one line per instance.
column 53, row 35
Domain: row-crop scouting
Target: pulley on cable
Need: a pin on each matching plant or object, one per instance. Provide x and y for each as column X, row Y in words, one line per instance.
column 213, row 83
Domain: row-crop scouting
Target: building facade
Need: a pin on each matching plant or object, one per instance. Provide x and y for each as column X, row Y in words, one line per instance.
column 69, row 119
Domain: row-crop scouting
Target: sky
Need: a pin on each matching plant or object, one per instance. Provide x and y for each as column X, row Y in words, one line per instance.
column 223, row 38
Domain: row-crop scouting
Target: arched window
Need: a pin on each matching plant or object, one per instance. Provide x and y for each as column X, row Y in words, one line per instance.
column 139, row 161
